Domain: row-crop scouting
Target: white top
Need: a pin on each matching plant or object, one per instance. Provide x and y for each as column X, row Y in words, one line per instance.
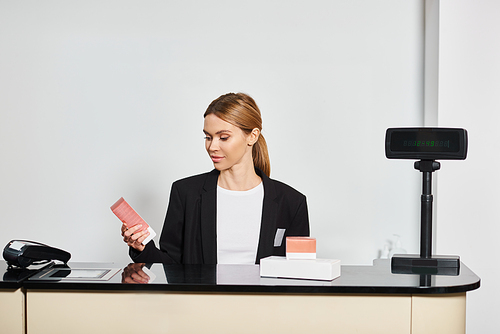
column 239, row 215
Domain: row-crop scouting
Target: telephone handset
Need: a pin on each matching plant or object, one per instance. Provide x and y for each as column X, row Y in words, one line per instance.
column 22, row 253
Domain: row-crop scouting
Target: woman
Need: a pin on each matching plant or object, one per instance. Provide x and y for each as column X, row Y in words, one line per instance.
column 234, row 214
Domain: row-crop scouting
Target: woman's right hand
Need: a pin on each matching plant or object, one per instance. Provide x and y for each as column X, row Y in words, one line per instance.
column 133, row 238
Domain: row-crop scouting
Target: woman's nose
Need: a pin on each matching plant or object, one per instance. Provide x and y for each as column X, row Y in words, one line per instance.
column 213, row 145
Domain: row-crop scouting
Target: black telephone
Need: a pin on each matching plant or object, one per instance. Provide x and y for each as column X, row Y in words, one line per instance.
column 22, row 253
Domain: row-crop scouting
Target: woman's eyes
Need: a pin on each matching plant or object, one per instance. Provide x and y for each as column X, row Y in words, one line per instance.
column 221, row 138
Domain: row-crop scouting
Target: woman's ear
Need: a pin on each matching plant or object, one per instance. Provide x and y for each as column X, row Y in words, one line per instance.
column 253, row 137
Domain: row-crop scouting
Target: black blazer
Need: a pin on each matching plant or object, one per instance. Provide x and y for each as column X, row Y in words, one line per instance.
column 189, row 231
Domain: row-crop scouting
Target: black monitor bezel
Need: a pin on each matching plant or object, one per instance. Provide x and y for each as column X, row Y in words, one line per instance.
column 459, row 154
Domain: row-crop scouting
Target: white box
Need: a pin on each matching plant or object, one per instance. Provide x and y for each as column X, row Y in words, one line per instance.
column 301, row 256
column 319, row 269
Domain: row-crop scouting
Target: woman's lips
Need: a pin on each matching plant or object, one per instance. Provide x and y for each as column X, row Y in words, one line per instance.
column 216, row 158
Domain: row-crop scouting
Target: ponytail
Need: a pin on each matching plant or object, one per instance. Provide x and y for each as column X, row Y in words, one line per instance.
column 261, row 156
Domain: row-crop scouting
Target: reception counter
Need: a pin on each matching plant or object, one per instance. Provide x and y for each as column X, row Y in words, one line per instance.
column 12, row 307
column 235, row 299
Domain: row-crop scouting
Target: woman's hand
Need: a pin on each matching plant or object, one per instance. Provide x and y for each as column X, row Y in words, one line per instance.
column 133, row 238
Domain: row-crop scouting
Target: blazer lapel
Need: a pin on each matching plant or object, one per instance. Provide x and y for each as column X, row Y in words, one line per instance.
column 208, row 218
column 268, row 221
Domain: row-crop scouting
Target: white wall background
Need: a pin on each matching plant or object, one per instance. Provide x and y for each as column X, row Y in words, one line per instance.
column 103, row 99
column 468, row 219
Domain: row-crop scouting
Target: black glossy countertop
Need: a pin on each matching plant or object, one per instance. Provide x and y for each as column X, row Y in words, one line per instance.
column 12, row 278
column 375, row 279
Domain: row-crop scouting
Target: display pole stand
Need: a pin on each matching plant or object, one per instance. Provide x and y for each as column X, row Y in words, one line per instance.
column 426, row 263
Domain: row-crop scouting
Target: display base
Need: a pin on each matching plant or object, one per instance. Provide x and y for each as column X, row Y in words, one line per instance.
column 434, row 265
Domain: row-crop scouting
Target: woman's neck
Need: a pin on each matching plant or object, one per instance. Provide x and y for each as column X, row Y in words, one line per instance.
column 239, row 178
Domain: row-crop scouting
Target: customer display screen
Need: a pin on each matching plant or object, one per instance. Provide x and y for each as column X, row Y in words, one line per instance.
column 426, row 143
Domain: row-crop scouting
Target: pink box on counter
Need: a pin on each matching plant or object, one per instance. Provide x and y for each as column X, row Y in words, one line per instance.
column 300, row 248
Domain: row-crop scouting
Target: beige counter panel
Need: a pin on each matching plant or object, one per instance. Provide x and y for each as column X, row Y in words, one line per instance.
column 12, row 311
column 158, row 312
column 438, row 313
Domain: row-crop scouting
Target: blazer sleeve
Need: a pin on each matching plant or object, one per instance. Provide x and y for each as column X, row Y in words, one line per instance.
column 171, row 240
column 299, row 226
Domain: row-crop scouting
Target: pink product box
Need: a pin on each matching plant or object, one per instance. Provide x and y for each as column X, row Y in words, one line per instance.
column 130, row 217
column 300, row 248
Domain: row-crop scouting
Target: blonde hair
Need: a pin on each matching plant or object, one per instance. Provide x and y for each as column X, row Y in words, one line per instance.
column 241, row 111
